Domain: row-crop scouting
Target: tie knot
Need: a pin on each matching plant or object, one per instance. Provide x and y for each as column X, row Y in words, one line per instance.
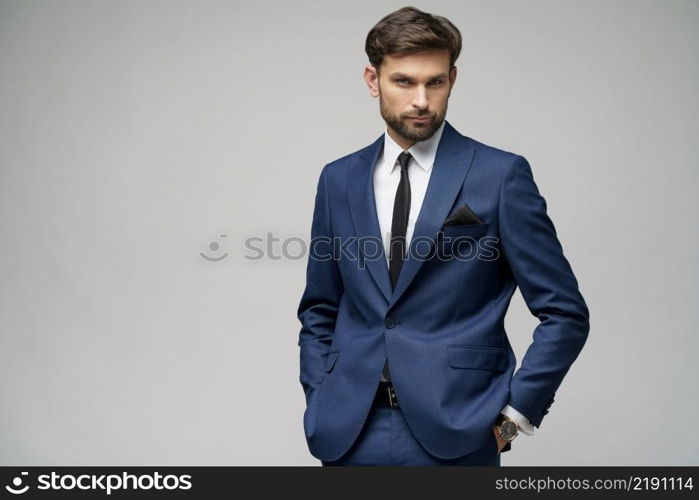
column 404, row 159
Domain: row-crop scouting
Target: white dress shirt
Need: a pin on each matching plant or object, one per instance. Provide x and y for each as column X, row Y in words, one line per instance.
column 386, row 179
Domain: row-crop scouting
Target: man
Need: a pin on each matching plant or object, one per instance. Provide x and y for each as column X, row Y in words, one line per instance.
column 418, row 242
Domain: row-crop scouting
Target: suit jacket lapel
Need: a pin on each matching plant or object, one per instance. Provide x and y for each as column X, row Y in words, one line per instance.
column 452, row 163
column 360, row 182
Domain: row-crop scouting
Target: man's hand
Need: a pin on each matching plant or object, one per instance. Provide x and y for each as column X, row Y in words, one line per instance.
column 501, row 442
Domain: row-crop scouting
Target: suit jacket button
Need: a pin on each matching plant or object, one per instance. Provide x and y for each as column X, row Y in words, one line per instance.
column 390, row 322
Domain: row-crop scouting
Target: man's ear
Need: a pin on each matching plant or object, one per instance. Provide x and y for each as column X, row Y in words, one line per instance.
column 371, row 77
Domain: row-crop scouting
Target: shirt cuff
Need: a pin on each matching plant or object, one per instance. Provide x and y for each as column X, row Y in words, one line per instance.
column 522, row 422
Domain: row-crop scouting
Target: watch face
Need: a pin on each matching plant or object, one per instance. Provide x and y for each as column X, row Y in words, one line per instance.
column 508, row 430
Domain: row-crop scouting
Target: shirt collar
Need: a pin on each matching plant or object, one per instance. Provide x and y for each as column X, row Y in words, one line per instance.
column 423, row 152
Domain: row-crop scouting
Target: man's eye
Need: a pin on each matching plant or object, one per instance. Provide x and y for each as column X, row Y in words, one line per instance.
column 403, row 82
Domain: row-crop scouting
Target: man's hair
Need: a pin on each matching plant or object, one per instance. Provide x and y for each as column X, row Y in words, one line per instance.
column 411, row 30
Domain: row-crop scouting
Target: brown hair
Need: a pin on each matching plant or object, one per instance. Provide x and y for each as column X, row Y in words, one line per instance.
column 411, row 30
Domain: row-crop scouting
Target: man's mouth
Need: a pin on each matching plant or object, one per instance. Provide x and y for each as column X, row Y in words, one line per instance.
column 419, row 119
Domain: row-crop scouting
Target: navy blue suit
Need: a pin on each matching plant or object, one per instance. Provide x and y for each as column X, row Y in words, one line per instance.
column 442, row 327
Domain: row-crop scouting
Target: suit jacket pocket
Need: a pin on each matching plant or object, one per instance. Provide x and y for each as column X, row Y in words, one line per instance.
column 461, row 239
column 477, row 357
column 474, row 230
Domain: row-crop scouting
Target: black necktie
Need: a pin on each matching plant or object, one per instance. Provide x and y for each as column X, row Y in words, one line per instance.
column 399, row 227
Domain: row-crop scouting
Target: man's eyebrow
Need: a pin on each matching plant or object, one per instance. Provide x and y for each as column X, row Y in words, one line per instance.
column 398, row 74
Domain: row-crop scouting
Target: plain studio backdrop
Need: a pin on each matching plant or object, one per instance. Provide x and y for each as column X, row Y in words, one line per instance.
column 142, row 143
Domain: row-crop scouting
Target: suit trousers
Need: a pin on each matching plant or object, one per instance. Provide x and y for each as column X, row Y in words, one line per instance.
column 386, row 440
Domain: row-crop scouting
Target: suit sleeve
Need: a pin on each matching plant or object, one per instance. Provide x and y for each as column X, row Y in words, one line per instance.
column 317, row 310
column 549, row 288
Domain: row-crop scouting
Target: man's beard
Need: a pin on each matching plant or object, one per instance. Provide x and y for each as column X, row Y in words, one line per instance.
column 416, row 132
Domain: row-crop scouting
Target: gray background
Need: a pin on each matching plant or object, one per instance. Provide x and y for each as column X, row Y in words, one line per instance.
column 133, row 134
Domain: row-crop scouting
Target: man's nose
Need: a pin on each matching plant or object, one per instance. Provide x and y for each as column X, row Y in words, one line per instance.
column 420, row 98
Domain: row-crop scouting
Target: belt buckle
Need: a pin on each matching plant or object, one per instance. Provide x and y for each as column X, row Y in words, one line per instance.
column 392, row 399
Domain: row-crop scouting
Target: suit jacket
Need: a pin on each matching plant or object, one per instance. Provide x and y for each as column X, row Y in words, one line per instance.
column 442, row 327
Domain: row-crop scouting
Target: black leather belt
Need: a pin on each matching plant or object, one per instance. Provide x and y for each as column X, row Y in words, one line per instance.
column 386, row 395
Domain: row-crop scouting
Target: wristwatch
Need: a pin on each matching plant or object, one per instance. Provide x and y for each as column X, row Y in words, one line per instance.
column 507, row 428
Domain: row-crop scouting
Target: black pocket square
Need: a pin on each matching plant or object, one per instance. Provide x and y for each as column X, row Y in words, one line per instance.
column 462, row 215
